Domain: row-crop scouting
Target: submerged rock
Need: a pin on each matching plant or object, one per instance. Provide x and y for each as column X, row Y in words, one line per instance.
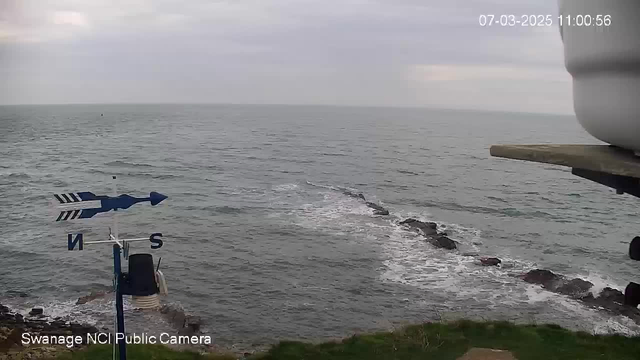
column 490, row 261
column 93, row 296
column 378, row 210
column 354, row 195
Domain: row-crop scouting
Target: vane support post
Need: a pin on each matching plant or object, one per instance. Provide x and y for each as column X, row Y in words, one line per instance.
column 120, row 334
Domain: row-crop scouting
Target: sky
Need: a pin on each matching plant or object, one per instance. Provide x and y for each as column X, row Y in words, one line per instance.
column 425, row 53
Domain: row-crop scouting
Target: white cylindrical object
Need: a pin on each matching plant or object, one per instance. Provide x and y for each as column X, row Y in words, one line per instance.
column 604, row 62
column 146, row 302
column 162, row 283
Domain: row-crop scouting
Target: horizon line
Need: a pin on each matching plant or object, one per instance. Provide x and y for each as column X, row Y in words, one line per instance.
column 414, row 107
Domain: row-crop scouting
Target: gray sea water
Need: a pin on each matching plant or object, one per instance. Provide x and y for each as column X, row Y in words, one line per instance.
column 261, row 245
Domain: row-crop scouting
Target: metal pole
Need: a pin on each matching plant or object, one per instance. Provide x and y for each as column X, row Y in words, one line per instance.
column 115, row 211
column 122, row 345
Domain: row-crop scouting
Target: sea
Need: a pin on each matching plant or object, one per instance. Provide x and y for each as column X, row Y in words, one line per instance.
column 260, row 240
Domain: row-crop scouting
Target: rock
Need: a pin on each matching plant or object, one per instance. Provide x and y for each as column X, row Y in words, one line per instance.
column 378, row 210
column 442, row 241
column 3, row 309
column 427, row 228
column 13, row 339
column 175, row 315
column 19, row 318
column 59, row 323
column 354, row 195
column 611, row 295
column 194, row 323
column 545, row 278
column 490, row 261
column 576, row 288
column 36, row 311
column 92, row 296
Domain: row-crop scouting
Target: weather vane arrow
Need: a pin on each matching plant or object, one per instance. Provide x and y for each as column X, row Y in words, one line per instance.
column 84, row 205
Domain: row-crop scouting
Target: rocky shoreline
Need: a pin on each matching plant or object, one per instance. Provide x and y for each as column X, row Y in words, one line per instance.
column 13, row 325
column 609, row 299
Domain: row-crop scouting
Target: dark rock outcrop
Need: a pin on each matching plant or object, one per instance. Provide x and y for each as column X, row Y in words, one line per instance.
column 186, row 324
column 17, row 324
column 36, row 311
column 378, row 210
column 490, row 261
column 609, row 299
column 93, row 296
column 442, row 241
column 611, row 295
column 430, row 231
column 576, row 288
column 354, row 195
column 427, row 228
column 546, row 278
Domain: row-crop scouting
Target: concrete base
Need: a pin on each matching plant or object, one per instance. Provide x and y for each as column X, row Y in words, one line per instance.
column 606, row 165
column 600, row 158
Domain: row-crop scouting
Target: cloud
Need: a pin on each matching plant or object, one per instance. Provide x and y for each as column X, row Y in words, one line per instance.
column 72, row 18
column 359, row 52
column 511, row 88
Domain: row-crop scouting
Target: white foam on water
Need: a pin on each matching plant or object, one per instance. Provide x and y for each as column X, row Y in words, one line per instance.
column 336, row 214
column 600, row 281
column 285, row 187
column 408, row 259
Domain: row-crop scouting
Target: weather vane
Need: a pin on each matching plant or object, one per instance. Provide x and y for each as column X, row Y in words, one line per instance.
column 142, row 281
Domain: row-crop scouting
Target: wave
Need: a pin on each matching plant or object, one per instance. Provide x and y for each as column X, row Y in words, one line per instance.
column 227, row 210
column 16, row 176
column 508, row 212
column 329, row 187
column 285, row 187
column 138, row 175
column 407, row 172
column 127, row 164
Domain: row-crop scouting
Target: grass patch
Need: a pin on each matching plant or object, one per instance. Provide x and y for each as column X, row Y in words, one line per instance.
column 450, row 341
column 434, row 341
column 146, row 352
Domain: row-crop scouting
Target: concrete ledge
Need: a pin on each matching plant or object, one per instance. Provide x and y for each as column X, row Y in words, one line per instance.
column 601, row 158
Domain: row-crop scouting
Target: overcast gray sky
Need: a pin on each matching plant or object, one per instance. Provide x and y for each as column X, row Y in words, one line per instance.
column 428, row 53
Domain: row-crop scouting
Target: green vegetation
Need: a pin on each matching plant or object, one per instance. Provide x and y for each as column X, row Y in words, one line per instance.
column 429, row 341
column 140, row 352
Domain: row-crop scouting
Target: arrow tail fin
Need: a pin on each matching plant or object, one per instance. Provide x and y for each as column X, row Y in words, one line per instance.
column 87, row 213
column 87, row 196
